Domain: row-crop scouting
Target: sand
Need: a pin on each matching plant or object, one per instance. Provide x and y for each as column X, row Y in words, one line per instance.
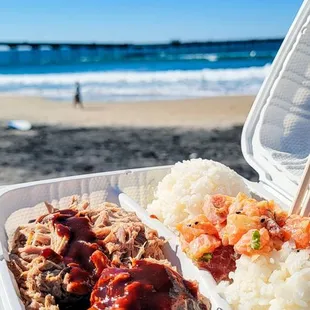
column 52, row 151
column 65, row 141
column 220, row 112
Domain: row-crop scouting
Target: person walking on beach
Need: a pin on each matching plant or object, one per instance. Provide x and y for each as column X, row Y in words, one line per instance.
column 77, row 96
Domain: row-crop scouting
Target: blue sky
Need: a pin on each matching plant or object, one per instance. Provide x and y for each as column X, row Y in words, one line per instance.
column 143, row 20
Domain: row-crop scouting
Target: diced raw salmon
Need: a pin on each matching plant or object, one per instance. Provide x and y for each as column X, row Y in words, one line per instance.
column 229, row 221
column 297, row 228
column 216, row 208
column 196, row 227
column 251, row 207
column 254, row 242
column 240, row 202
column 280, row 216
column 238, row 225
column 224, row 236
column 204, row 244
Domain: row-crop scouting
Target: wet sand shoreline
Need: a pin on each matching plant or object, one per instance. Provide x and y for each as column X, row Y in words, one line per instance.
column 210, row 112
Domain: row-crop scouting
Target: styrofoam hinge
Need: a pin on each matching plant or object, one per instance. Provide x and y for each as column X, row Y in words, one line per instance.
column 275, row 191
column 1, row 253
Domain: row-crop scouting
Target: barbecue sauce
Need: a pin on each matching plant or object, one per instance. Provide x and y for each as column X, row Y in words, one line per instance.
column 146, row 285
column 76, row 227
column 51, row 255
column 80, row 253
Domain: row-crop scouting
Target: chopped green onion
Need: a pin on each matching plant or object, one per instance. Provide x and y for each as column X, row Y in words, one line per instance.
column 206, row 257
column 255, row 243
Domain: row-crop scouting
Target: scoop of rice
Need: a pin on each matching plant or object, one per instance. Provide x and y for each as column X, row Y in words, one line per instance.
column 181, row 194
column 275, row 282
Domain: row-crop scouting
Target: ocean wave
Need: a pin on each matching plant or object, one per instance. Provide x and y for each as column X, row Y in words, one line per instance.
column 124, row 85
column 137, row 77
column 212, row 57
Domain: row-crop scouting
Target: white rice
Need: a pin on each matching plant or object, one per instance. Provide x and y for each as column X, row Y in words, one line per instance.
column 181, row 194
column 277, row 282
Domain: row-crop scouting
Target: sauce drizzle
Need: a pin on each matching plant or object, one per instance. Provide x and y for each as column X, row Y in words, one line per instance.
column 76, row 227
column 146, row 285
column 81, row 252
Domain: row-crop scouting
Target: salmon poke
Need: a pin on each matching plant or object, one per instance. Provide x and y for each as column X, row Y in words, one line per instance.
column 258, row 255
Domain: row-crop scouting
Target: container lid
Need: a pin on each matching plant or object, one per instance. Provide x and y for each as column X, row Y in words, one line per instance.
column 276, row 134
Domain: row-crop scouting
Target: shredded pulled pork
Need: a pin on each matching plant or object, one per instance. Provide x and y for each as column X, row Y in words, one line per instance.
column 58, row 258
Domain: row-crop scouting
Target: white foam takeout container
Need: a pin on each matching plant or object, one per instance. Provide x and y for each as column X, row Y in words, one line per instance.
column 275, row 142
column 131, row 189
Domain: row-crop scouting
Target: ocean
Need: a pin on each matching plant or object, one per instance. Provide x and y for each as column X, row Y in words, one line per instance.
column 174, row 72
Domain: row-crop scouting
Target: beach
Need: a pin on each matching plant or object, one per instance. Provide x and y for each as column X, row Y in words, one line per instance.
column 146, row 105
column 207, row 113
column 108, row 136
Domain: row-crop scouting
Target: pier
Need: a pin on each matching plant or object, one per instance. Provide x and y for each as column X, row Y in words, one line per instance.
column 58, row 45
column 58, row 51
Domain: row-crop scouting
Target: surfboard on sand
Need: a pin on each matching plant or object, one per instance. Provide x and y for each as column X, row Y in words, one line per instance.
column 22, row 125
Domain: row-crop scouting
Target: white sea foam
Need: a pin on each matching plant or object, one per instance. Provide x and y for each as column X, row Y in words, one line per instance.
column 210, row 57
column 134, row 76
column 122, row 85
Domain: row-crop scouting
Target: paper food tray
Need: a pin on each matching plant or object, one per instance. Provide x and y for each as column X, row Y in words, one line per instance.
column 17, row 203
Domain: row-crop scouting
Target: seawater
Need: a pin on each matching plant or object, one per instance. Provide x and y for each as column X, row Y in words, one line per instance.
column 129, row 76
